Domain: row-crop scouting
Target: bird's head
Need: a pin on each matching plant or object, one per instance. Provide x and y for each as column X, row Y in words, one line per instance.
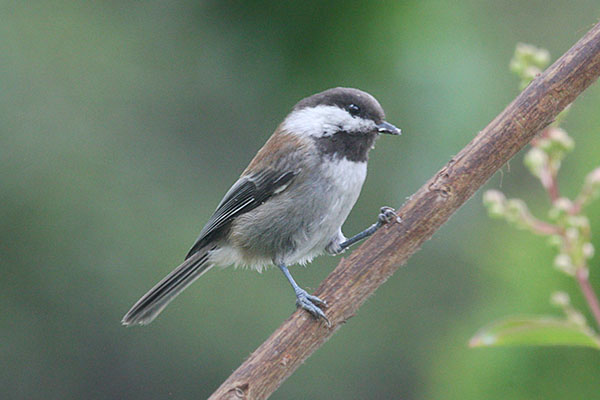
column 344, row 122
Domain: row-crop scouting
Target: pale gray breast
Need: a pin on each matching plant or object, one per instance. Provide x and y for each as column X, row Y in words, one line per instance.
column 304, row 217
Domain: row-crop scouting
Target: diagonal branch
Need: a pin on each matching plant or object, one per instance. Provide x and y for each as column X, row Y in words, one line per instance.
column 358, row 276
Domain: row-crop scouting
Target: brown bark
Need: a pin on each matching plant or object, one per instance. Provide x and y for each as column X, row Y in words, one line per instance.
column 359, row 275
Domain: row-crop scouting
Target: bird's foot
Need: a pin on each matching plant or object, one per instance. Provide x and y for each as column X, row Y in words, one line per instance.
column 311, row 304
column 387, row 215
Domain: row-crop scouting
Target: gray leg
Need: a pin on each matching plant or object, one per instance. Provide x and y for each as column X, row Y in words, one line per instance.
column 386, row 214
column 303, row 299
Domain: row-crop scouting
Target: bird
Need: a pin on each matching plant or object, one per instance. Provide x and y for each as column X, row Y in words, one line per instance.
column 290, row 203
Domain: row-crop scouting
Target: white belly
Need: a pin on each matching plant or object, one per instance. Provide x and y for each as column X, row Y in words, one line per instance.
column 344, row 181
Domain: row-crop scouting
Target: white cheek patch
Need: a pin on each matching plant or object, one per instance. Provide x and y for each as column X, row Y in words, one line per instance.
column 324, row 120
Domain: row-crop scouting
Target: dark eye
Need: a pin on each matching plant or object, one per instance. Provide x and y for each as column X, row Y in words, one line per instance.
column 353, row 109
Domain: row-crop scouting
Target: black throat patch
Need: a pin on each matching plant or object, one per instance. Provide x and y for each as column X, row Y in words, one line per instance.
column 343, row 145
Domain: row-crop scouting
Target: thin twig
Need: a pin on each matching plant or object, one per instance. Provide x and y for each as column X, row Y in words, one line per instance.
column 582, row 275
column 550, row 183
column 358, row 276
column 544, row 228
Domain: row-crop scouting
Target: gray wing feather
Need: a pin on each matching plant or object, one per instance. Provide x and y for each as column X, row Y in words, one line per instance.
column 246, row 194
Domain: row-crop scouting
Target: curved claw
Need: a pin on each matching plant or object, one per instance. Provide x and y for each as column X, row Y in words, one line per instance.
column 311, row 304
column 387, row 215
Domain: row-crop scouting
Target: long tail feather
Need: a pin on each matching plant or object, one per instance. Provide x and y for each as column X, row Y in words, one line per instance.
column 152, row 303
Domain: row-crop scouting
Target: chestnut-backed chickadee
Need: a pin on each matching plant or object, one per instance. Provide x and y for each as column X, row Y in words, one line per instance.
column 291, row 201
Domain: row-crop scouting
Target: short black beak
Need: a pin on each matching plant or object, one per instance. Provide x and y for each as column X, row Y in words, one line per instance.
column 386, row 127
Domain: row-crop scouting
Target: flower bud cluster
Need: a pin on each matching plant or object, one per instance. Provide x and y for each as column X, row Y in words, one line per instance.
column 576, row 242
column 536, row 160
column 567, row 231
column 548, row 151
column 556, row 144
column 591, row 188
column 573, row 244
column 562, row 301
column 528, row 61
column 513, row 210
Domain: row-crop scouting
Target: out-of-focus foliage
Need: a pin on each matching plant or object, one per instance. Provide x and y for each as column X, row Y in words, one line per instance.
column 123, row 123
column 567, row 229
column 535, row 331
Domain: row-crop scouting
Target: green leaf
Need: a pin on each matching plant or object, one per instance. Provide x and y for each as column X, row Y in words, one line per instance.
column 534, row 331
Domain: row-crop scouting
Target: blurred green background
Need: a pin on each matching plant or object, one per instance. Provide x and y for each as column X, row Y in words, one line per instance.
column 123, row 123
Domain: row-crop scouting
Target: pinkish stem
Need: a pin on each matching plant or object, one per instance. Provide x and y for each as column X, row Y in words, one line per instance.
column 582, row 275
column 542, row 227
column 549, row 182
